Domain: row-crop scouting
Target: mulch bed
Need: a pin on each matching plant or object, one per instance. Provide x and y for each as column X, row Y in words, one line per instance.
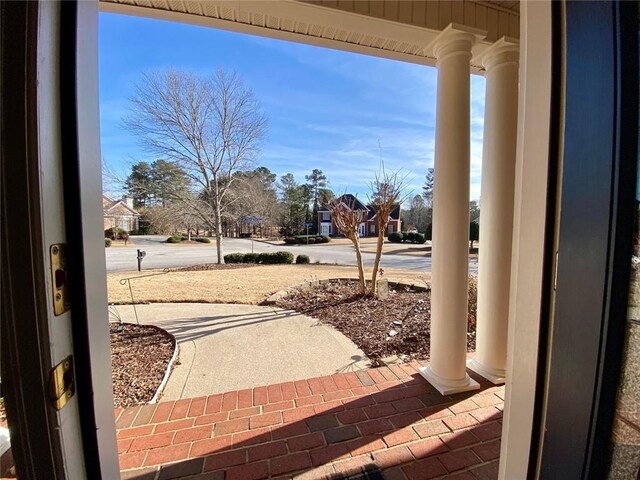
column 398, row 325
column 140, row 355
column 214, row 266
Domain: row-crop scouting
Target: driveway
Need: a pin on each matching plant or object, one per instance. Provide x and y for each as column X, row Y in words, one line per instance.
column 232, row 347
column 163, row 255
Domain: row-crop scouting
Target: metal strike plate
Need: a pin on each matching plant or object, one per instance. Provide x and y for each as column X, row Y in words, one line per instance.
column 62, row 383
column 59, row 279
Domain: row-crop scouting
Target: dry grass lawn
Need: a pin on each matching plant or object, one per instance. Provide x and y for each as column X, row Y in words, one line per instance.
column 249, row 285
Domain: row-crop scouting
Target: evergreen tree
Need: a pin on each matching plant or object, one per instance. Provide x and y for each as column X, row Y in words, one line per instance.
column 316, row 182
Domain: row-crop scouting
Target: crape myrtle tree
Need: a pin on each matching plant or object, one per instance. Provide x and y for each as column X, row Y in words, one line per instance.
column 210, row 126
column 348, row 219
column 386, row 193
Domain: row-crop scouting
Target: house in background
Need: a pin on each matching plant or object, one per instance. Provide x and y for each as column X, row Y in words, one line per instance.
column 368, row 227
column 119, row 213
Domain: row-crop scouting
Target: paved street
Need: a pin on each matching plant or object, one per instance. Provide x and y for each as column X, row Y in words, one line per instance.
column 163, row 255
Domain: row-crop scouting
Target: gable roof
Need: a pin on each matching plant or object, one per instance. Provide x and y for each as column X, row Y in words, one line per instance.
column 109, row 205
column 349, row 200
column 395, row 213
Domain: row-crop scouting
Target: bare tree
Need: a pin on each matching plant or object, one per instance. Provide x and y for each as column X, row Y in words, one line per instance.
column 209, row 126
column 386, row 195
column 347, row 218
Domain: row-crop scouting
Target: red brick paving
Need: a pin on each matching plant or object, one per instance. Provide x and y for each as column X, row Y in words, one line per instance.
column 385, row 419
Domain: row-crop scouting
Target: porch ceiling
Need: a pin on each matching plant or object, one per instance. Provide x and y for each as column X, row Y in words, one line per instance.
column 398, row 30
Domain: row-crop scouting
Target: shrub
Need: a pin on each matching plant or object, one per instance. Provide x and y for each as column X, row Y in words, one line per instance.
column 325, row 239
column 282, row 257
column 107, row 243
column 109, row 233
column 234, row 258
column 276, row 257
column 135, row 232
column 473, row 299
column 395, row 237
column 174, row 239
column 318, row 239
column 251, row 258
column 300, row 259
column 420, row 238
column 202, row 240
column 310, row 240
column 290, row 241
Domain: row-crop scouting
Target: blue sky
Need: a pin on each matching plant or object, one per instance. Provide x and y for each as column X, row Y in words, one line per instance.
column 327, row 109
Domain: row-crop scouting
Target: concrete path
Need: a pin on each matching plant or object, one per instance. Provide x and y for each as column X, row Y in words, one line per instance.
column 231, row 347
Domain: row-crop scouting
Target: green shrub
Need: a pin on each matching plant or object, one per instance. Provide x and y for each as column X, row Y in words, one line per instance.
column 202, row 240
column 276, row 258
column 109, row 233
column 290, row 241
column 234, row 258
column 325, row 239
column 302, row 259
column 264, row 257
column 282, row 257
column 174, row 239
column 395, row 237
column 135, row 232
column 251, row 258
column 107, row 242
column 420, row 238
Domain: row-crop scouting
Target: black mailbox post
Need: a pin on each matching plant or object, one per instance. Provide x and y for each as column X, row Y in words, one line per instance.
column 141, row 255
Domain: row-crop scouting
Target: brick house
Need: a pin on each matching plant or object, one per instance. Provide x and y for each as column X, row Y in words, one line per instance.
column 368, row 227
column 119, row 213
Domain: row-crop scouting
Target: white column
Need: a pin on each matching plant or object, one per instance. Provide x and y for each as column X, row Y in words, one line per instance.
column 450, row 235
column 496, row 209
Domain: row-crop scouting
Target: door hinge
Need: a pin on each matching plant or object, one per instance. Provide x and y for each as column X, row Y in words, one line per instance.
column 62, row 383
column 59, row 279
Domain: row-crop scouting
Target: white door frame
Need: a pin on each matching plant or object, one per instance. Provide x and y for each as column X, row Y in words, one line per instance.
column 525, row 304
column 50, row 175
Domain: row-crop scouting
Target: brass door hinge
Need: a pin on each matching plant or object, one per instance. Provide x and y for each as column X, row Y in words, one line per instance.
column 59, row 285
column 62, row 383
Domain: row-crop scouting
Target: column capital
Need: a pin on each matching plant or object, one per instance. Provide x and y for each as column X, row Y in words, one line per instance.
column 454, row 39
column 505, row 51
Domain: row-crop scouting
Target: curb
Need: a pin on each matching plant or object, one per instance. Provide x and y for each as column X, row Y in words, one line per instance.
column 167, row 373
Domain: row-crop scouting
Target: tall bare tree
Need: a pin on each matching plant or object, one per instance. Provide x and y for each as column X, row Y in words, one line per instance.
column 348, row 219
column 210, row 126
column 386, row 195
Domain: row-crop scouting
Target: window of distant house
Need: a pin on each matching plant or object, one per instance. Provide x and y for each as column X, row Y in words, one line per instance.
column 325, row 216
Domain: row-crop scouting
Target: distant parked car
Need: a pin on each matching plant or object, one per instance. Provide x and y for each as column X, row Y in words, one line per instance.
column 412, row 230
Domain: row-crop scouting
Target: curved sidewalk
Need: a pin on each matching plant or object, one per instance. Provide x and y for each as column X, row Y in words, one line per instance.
column 231, row 347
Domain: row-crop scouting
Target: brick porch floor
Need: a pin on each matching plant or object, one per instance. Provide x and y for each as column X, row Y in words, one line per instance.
column 379, row 423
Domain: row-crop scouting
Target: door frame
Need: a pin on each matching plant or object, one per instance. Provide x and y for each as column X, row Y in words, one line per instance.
column 588, row 286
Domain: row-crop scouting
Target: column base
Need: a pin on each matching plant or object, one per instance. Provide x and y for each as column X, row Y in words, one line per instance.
column 449, row 387
column 495, row 376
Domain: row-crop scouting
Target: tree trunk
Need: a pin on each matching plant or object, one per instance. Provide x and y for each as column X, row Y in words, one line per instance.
column 219, row 234
column 373, row 291
column 363, row 286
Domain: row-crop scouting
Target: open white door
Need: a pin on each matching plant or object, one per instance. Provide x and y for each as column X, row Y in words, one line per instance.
column 54, row 305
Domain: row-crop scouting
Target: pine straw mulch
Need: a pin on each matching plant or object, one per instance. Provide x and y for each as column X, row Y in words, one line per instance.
column 140, row 355
column 398, row 325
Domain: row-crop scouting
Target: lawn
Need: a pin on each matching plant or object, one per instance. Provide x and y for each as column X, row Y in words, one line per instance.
column 250, row 285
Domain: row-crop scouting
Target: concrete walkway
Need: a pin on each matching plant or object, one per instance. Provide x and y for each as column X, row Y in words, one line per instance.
column 232, row 347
